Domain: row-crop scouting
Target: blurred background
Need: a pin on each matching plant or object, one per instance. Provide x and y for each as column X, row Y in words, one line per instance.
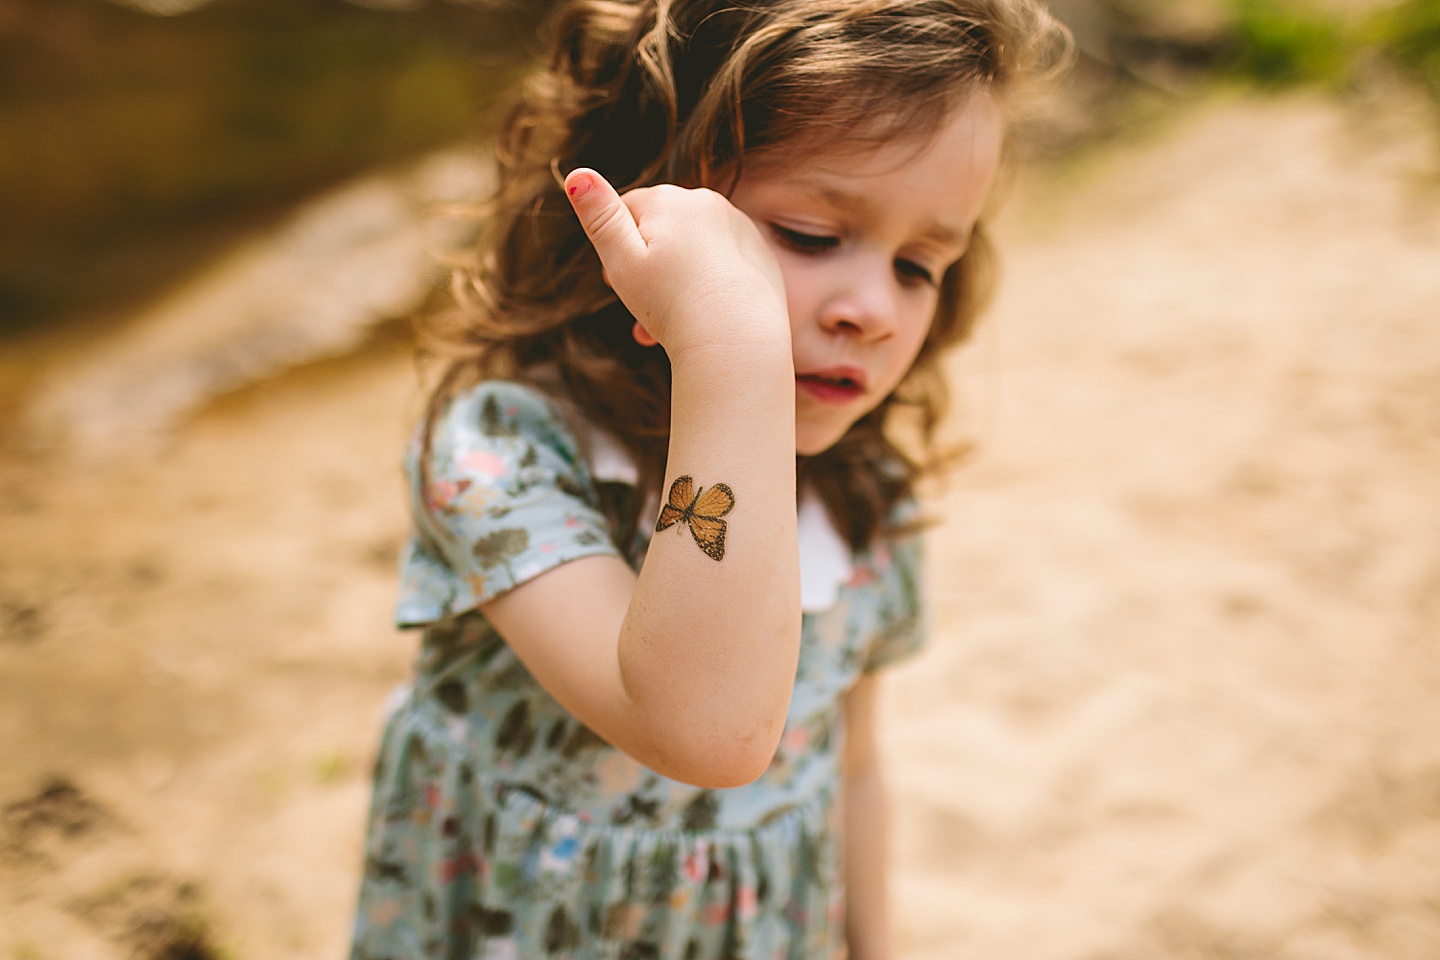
column 1184, row 685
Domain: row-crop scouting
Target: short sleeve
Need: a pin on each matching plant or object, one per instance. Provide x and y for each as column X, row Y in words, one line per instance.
column 904, row 622
column 507, row 496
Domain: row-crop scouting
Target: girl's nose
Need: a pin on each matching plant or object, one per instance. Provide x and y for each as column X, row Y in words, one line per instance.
column 862, row 303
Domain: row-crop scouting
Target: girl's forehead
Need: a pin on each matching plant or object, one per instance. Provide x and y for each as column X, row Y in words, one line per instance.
column 973, row 130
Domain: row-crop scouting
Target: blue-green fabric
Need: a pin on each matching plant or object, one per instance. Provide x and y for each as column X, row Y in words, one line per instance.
column 502, row 828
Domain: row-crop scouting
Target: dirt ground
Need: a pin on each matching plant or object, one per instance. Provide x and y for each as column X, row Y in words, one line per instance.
column 1183, row 694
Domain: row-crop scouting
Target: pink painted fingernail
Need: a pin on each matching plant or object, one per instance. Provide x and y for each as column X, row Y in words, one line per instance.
column 579, row 186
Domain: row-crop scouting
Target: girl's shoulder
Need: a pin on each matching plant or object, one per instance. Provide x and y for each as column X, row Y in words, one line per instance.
column 890, row 570
column 505, row 413
column 828, row 564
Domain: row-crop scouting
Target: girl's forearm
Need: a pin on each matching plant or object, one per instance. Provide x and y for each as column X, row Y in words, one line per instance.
column 867, row 854
column 708, row 648
column 867, row 923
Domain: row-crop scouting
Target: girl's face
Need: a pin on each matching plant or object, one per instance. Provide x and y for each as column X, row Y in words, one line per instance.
column 863, row 240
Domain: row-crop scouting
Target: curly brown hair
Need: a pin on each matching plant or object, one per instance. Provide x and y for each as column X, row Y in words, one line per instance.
column 683, row 91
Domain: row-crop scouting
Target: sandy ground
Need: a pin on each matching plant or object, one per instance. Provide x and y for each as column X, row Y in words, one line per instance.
column 1183, row 699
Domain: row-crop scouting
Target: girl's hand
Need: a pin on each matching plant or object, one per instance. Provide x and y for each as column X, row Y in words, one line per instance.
column 692, row 269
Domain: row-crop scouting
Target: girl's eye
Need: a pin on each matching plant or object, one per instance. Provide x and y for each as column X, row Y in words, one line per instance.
column 912, row 271
column 805, row 242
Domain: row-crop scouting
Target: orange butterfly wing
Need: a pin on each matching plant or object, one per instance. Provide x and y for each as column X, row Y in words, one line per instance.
column 714, row 503
column 705, row 522
column 709, row 534
column 682, row 495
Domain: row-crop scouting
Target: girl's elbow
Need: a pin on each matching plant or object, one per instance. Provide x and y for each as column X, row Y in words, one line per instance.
column 718, row 763
column 724, row 774
column 743, row 766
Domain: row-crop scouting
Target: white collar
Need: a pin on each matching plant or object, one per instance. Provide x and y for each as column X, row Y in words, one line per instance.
column 826, row 562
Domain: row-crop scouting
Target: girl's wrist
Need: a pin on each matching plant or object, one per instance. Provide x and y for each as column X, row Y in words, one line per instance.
column 737, row 356
column 736, row 383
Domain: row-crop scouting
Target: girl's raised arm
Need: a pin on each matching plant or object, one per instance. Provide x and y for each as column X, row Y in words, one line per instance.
column 689, row 667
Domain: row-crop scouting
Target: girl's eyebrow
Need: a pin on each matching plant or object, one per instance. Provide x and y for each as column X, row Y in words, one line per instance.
column 865, row 209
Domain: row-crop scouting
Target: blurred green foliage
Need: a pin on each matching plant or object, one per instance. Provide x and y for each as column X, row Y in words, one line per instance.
column 1283, row 42
column 132, row 145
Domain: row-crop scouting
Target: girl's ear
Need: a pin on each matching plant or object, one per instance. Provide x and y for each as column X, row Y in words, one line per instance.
column 642, row 336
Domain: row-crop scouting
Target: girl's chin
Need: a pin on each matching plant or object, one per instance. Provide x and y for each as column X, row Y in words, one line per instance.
column 812, row 441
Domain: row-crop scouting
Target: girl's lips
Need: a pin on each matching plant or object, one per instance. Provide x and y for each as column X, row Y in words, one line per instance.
column 832, row 386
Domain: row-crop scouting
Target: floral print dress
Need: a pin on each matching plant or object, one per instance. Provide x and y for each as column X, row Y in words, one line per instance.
column 502, row 828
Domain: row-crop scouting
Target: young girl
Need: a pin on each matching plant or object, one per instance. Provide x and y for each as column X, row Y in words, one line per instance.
column 642, row 723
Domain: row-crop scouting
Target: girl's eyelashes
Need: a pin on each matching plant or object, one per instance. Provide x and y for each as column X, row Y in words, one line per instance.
column 802, row 242
column 915, row 272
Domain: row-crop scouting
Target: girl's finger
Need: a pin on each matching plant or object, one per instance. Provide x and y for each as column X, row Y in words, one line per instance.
column 642, row 336
column 608, row 222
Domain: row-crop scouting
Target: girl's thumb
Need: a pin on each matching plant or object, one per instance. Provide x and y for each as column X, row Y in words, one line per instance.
column 608, row 222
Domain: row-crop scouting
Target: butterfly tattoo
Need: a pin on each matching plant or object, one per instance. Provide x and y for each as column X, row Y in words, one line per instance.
column 702, row 510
